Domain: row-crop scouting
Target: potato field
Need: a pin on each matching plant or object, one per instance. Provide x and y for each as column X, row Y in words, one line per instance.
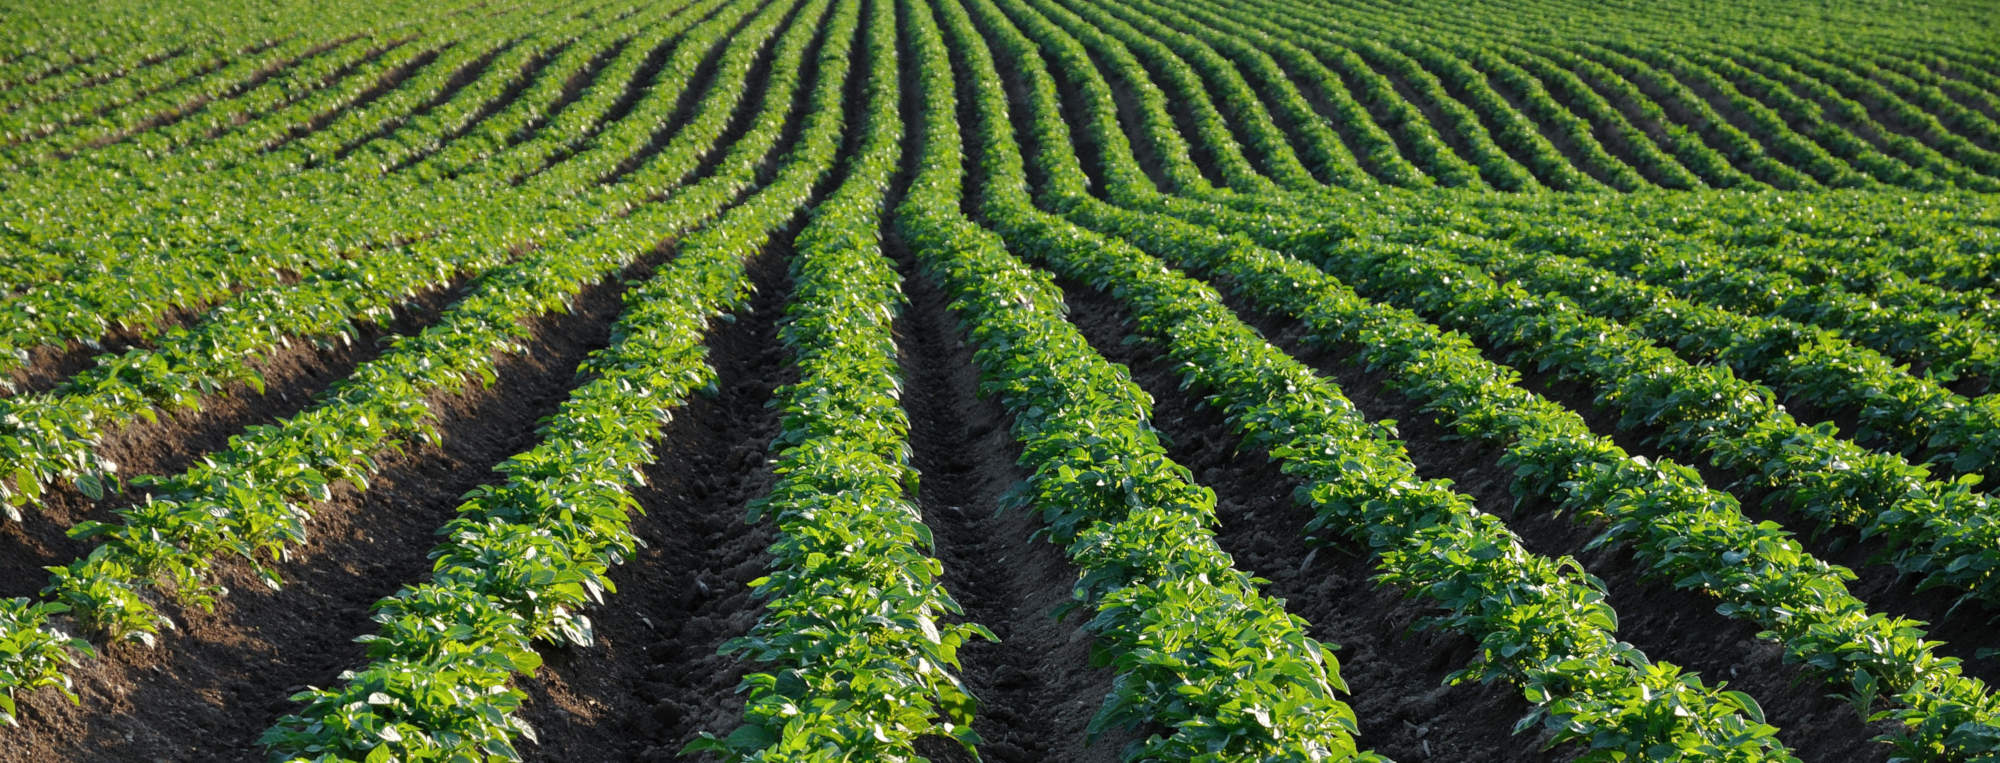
column 1002, row 380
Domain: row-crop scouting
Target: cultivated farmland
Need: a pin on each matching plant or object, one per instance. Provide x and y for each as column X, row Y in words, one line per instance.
column 1008, row 380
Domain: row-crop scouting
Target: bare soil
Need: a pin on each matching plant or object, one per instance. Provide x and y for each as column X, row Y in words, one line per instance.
column 214, row 684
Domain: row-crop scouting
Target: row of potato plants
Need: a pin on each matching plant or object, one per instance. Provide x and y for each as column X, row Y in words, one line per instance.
column 158, row 273
column 1955, row 105
column 1914, row 414
column 118, row 278
column 1196, row 651
column 628, row 73
column 524, row 223
column 1757, row 121
column 561, row 86
column 161, row 66
column 1467, row 135
column 1869, row 298
column 252, row 498
column 1682, row 532
column 1376, row 95
column 1539, row 621
column 1676, row 142
column 1239, row 100
column 265, row 102
column 1690, row 535
column 1934, row 69
column 1770, row 129
column 1243, row 54
column 1789, row 277
column 1484, row 69
column 138, row 57
column 1572, row 129
column 1950, row 345
column 55, row 237
column 1901, row 161
column 1935, row 529
column 1513, row 129
column 1374, row 139
column 68, row 48
column 1907, row 414
column 54, row 436
column 1320, row 144
column 1838, row 372
column 55, row 103
column 1244, row 112
column 1828, row 84
column 252, row 242
column 1704, row 125
column 1410, row 60
column 524, row 72
column 1849, row 238
column 1218, row 141
column 1852, row 217
column 1517, row 133
column 212, row 217
column 854, row 654
column 1228, row 159
column 310, row 49
column 1833, row 85
column 1902, row 116
column 333, row 135
column 526, row 557
column 1927, row 316
column 1858, row 649
column 1519, row 137
column 1687, row 534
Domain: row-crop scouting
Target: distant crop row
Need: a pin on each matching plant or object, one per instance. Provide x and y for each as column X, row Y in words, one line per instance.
column 210, row 199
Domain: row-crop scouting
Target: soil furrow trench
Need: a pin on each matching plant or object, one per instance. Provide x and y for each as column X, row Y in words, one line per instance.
column 654, row 680
column 215, row 684
column 1396, row 669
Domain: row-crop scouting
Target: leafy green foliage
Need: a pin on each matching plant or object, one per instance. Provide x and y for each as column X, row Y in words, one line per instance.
column 523, row 559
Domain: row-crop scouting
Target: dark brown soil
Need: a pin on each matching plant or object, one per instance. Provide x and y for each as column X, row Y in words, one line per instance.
column 1966, row 633
column 1669, row 625
column 1682, row 627
column 213, row 686
column 1036, row 690
column 292, row 376
column 654, row 680
column 49, row 366
column 1396, row 669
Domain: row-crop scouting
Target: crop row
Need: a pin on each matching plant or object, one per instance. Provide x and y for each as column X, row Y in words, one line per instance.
column 251, row 499
column 1276, row 87
column 525, row 557
column 1538, row 623
column 1195, row 648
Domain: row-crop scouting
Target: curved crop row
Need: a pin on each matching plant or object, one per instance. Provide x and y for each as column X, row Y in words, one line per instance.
column 1589, row 688
column 1197, row 651
column 526, row 556
column 251, row 499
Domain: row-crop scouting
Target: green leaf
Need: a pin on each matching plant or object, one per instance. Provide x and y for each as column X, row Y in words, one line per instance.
column 1746, row 703
column 91, row 485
